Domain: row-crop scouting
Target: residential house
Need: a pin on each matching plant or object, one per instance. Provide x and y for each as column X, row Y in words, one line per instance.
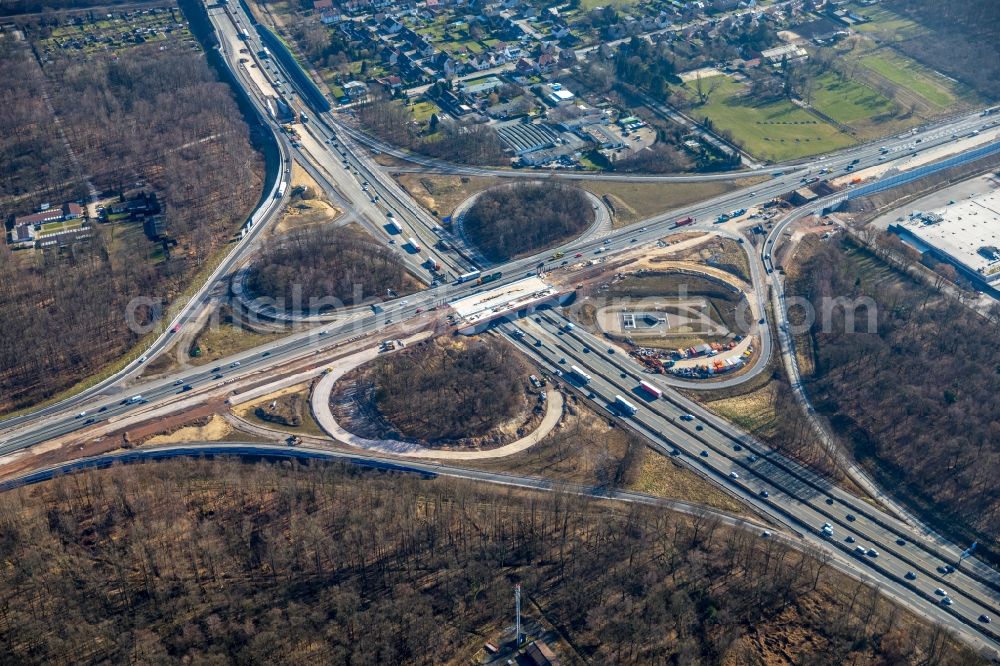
column 526, row 67
column 355, row 89
column 390, row 26
column 444, row 65
column 391, row 83
column 567, row 57
column 546, row 63
column 423, row 48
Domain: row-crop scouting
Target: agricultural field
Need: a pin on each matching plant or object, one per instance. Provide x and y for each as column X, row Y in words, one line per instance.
column 776, row 131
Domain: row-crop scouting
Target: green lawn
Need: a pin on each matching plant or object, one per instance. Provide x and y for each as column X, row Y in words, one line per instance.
column 846, row 101
column 774, row 131
column 56, row 227
column 423, row 110
column 905, row 72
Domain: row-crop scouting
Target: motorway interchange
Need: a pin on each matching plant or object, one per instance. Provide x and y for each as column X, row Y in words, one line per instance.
column 911, row 563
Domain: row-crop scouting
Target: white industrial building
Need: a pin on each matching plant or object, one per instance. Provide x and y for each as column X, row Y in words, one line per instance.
column 965, row 234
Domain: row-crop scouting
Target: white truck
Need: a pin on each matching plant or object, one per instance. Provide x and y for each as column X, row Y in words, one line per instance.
column 650, row 389
column 625, row 406
column 584, row 377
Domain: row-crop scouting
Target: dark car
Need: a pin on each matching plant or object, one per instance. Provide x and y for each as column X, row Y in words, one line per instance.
column 186, row 387
column 266, row 354
column 217, row 376
column 764, row 494
column 89, row 421
column 850, row 517
column 103, row 409
column 704, row 454
column 217, row 368
column 737, row 447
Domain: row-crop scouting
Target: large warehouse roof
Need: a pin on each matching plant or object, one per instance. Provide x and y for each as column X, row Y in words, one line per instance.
column 967, row 232
column 522, row 138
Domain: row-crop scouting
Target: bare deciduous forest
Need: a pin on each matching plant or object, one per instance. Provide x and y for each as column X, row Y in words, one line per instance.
column 235, row 563
column 919, row 400
column 150, row 116
column 450, row 389
column 514, row 220
column 327, row 263
column 962, row 41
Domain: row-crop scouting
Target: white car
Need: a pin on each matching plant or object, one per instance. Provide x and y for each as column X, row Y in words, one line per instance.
column 734, row 475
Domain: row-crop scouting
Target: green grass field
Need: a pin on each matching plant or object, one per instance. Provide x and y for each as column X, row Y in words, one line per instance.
column 774, row 131
column 846, row 101
column 56, row 227
column 934, row 88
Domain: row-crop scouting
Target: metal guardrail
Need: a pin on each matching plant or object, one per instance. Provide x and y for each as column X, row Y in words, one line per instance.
column 920, row 172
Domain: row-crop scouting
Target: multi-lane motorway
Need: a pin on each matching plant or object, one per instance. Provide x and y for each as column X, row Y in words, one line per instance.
column 795, row 496
column 763, row 477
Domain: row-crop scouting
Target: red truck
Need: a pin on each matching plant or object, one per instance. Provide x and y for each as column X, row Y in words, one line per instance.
column 683, row 223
